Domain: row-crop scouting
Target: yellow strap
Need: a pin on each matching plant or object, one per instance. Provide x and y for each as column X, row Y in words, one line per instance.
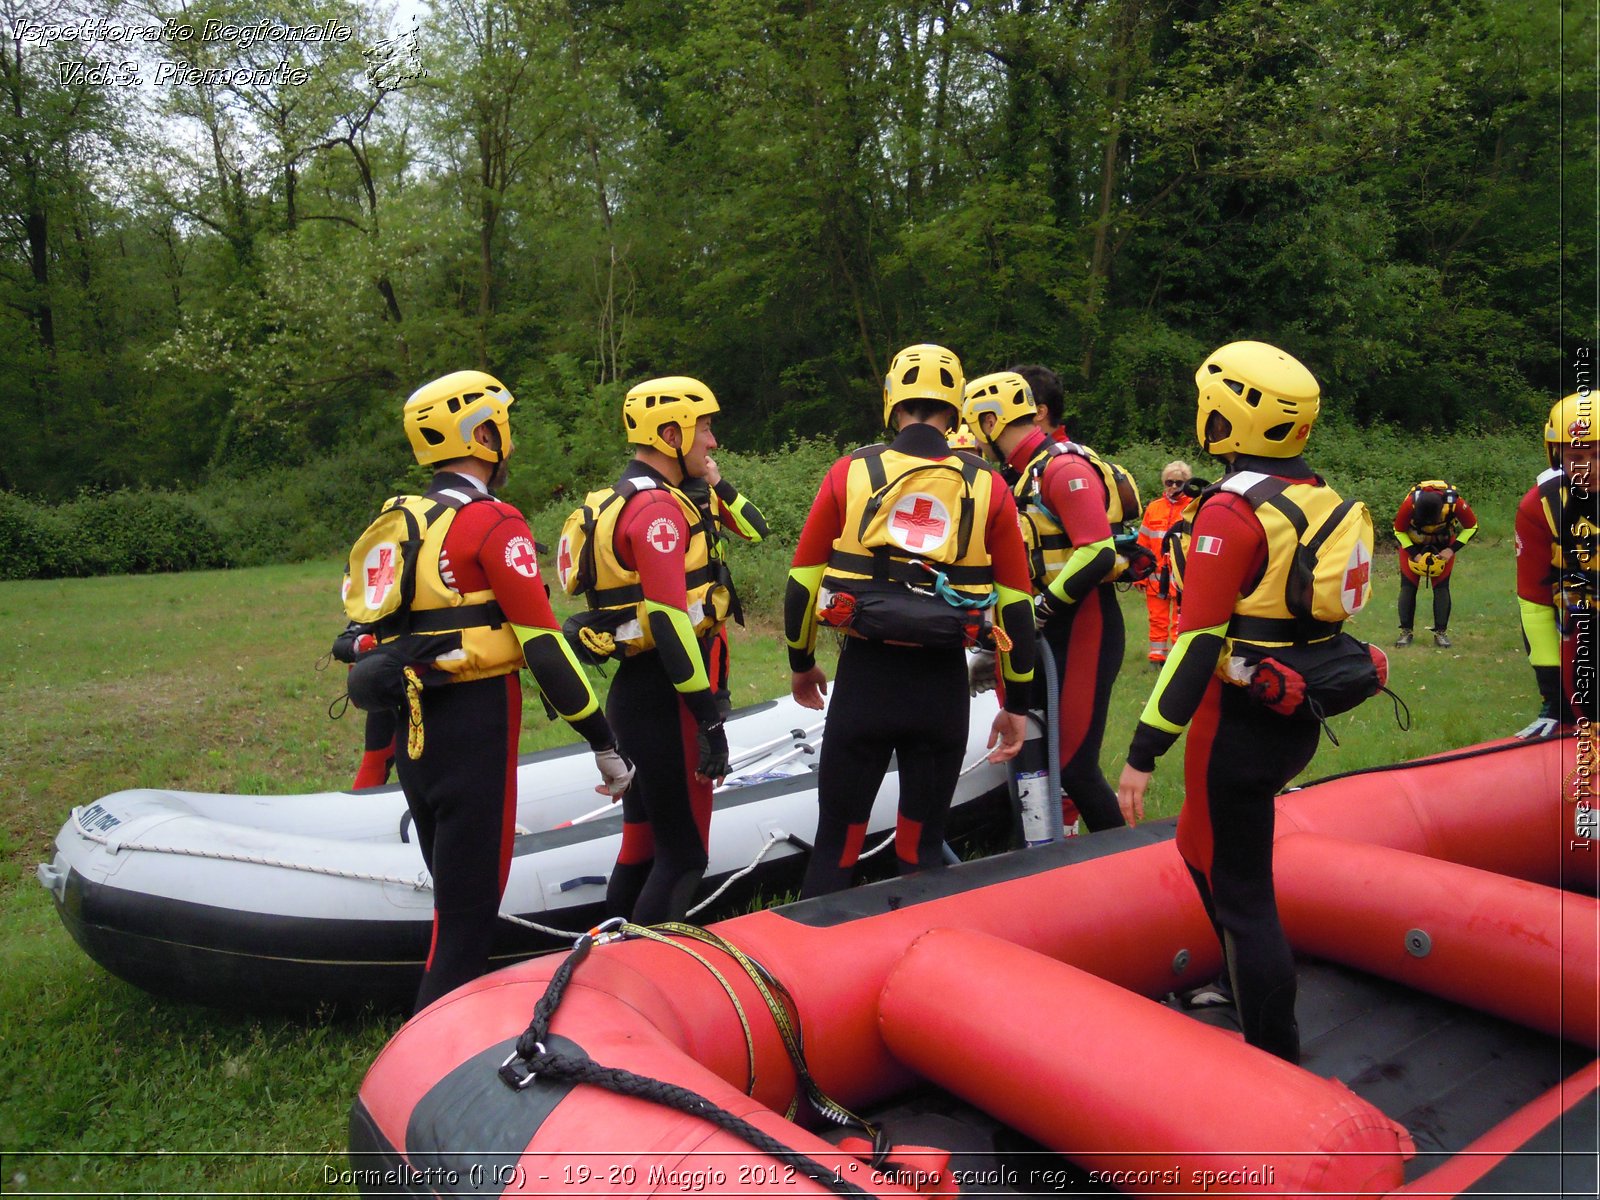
column 414, row 710
column 788, row 1026
column 644, row 931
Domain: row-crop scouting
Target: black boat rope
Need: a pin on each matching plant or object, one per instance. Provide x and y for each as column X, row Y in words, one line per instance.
column 531, row 1059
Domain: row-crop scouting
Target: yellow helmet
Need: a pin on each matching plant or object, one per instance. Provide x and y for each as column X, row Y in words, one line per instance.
column 1570, row 423
column 1005, row 393
column 440, row 417
column 1428, row 565
column 656, row 403
column 922, row 372
column 961, row 438
column 1267, row 398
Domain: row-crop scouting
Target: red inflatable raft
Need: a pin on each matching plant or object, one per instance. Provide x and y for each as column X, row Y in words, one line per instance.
column 998, row 1020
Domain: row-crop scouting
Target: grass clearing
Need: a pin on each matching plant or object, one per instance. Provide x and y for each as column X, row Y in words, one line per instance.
column 207, row 681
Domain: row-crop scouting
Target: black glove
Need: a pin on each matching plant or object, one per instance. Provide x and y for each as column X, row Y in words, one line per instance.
column 713, row 741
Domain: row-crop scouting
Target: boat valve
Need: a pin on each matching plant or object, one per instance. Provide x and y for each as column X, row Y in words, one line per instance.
column 1180, row 962
column 1418, row 943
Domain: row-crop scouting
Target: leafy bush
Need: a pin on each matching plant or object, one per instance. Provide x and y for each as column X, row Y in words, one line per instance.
column 31, row 539
column 115, row 533
column 314, row 509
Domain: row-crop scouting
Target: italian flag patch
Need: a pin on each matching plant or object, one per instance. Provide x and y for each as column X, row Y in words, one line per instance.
column 1208, row 545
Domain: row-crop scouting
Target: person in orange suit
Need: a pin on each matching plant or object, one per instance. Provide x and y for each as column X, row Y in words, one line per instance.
column 1160, row 592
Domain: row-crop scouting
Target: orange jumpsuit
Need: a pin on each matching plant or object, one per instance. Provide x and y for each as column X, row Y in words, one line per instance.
column 1160, row 515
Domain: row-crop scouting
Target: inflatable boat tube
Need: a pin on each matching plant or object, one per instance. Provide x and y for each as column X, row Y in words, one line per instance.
column 996, row 1019
column 301, row 900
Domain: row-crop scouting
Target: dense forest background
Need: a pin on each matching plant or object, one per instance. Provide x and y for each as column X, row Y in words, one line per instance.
column 212, row 277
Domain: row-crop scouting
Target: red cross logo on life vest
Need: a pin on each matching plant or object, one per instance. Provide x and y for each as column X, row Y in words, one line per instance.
column 564, row 560
column 380, row 575
column 918, row 522
column 663, row 535
column 1358, row 570
column 522, row 558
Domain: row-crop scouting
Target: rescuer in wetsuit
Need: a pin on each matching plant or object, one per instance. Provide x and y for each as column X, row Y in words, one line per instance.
column 1432, row 525
column 1256, row 409
column 461, row 784
column 1061, row 498
column 658, row 559
column 1556, row 526
column 910, row 549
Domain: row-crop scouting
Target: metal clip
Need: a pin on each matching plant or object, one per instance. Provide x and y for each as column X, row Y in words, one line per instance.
column 609, row 930
column 514, row 1078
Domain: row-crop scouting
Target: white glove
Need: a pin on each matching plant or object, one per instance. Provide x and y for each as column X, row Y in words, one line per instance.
column 615, row 770
column 1540, row 727
column 980, row 672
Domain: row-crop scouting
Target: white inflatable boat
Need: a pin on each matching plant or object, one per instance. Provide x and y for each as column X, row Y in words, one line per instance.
column 295, row 901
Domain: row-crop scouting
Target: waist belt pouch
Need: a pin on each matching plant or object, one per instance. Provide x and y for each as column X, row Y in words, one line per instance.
column 901, row 615
column 377, row 681
column 1314, row 682
column 595, row 635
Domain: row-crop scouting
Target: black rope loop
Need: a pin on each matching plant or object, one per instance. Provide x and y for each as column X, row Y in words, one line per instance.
column 531, row 1059
column 583, row 1069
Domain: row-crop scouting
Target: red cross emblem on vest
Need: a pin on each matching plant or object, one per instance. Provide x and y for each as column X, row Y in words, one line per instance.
column 919, row 522
column 381, row 577
column 1356, row 577
column 564, row 559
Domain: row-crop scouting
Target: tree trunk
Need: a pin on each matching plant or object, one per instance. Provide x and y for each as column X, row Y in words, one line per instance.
column 1100, row 258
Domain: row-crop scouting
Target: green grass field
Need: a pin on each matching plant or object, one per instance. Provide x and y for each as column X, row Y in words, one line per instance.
column 209, row 682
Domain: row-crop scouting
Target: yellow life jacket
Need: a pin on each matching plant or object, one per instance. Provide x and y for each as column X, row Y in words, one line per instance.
column 903, row 511
column 392, row 583
column 1574, row 554
column 1049, row 548
column 587, row 565
column 911, row 564
column 1319, row 560
column 1443, row 531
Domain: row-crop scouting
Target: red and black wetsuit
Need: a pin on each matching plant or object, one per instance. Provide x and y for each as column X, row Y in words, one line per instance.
column 462, row 790
column 1456, row 531
column 1085, row 631
column 657, row 701
column 1239, row 755
column 888, row 699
